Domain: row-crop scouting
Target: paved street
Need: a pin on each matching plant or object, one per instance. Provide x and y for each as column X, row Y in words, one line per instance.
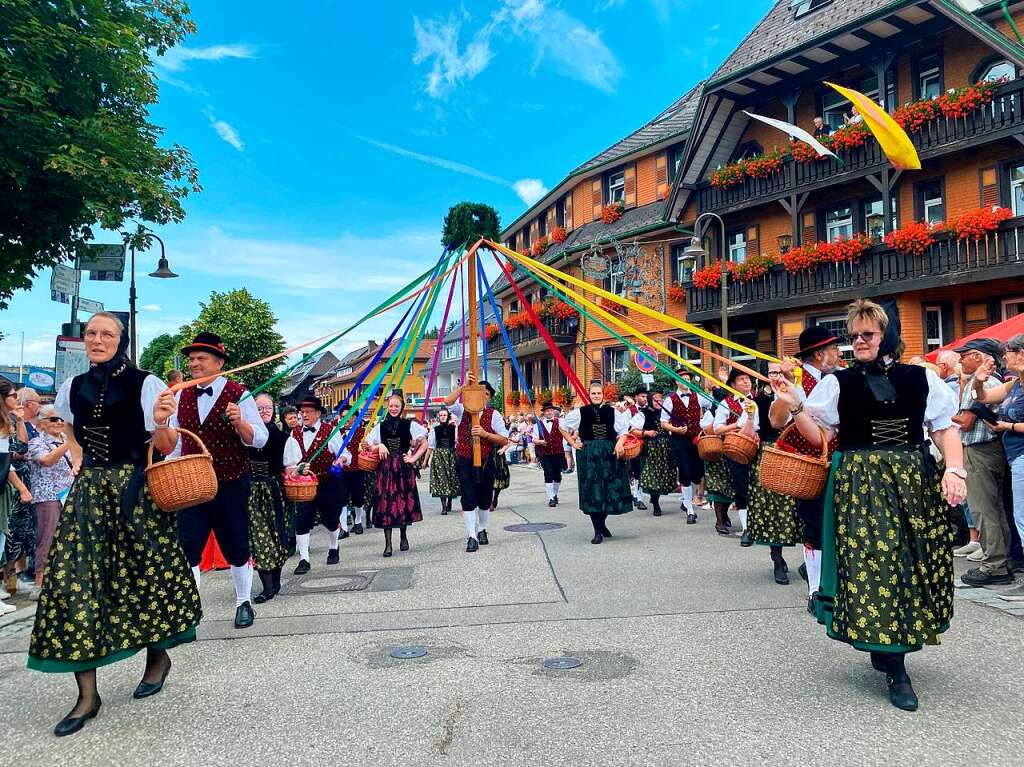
column 690, row 655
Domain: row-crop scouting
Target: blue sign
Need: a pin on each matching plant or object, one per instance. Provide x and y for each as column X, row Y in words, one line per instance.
column 40, row 379
column 645, row 359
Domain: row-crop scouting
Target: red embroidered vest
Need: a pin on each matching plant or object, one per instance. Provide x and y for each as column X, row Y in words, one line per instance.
column 553, row 437
column 795, row 441
column 321, row 465
column 735, row 410
column 463, row 439
column 353, row 446
column 686, row 415
column 230, row 456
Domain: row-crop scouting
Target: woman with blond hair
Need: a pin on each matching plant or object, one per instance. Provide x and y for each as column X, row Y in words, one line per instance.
column 12, row 489
column 887, row 569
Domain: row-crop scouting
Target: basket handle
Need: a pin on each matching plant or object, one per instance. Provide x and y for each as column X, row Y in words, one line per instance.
column 824, row 437
column 195, row 438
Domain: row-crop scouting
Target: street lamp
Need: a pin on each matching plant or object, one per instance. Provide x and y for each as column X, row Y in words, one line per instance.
column 695, row 251
column 163, row 271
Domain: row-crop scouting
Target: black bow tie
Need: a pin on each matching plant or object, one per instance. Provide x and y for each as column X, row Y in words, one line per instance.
column 309, row 428
column 200, row 390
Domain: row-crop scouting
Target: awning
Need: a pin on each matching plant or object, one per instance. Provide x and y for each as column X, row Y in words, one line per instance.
column 1001, row 331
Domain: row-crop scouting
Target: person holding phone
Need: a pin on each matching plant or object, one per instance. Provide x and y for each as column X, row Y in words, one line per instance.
column 51, row 480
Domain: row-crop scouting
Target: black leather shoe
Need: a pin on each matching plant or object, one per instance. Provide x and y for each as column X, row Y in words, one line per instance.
column 444, row 511
column 746, row 540
column 657, row 511
column 244, row 616
column 387, row 551
column 552, row 504
column 691, row 518
column 781, row 576
column 812, row 604
column 901, row 693
column 333, row 557
column 482, row 538
column 596, row 539
column 343, row 535
column 556, row 500
column 358, row 529
column 403, row 545
column 69, row 725
column 978, row 577
column 265, row 596
column 723, row 529
column 302, row 567
column 471, row 545
column 639, row 505
column 149, row 689
column 803, row 571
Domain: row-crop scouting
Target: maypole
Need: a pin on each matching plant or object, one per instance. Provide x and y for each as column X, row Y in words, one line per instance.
column 474, row 395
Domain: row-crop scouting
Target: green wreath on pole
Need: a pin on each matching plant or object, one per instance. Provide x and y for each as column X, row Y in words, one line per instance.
column 467, row 222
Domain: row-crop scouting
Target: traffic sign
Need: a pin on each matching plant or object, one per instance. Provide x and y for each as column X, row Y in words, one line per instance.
column 61, row 298
column 88, row 305
column 102, row 258
column 645, row 359
column 64, row 280
column 106, row 276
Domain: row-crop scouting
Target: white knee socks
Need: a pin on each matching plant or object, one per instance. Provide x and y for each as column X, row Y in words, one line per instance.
column 196, row 575
column 343, row 520
column 483, row 514
column 242, row 577
column 550, row 487
column 688, row 496
column 302, row 545
column 812, row 559
column 469, row 520
column 743, row 518
column 334, row 538
column 360, row 516
column 555, row 486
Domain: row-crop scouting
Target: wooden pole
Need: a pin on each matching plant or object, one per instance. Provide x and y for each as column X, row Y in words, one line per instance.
column 472, row 403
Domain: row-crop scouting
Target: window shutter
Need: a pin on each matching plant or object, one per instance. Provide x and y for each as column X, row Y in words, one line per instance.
column 630, row 186
column 809, row 232
column 568, row 213
column 791, row 338
column 595, row 198
column 551, row 219
column 976, row 318
column 753, row 240
column 989, row 186
column 661, row 174
column 673, row 266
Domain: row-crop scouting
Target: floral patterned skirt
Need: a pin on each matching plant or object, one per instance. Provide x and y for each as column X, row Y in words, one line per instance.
column 603, row 479
column 267, row 539
column 398, row 500
column 502, row 476
column 117, row 580
column 444, row 478
column 659, row 474
column 887, row 568
column 718, row 481
column 369, row 489
column 771, row 517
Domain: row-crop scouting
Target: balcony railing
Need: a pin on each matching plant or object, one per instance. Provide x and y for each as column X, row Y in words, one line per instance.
column 528, row 340
column 881, row 270
column 1001, row 118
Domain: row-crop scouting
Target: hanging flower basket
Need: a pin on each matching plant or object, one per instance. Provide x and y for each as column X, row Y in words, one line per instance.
column 913, row 238
column 612, row 213
column 677, row 294
column 491, row 331
column 540, row 245
column 976, row 224
column 558, row 235
column 611, row 392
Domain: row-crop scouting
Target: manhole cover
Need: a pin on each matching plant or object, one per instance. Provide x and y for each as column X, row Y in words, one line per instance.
column 405, row 653
column 534, row 527
column 562, row 663
column 329, row 583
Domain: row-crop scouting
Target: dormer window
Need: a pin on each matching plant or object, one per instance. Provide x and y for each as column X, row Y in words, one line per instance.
column 803, row 7
column 616, row 187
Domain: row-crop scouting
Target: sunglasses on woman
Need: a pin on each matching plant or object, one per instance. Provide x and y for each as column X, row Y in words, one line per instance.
column 867, row 336
column 55, row 419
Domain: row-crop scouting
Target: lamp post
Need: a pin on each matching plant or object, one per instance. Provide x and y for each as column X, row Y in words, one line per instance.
column 163, row 271
column 695, row 251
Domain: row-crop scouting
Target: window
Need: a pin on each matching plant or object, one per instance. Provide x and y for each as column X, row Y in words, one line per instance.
column 616, row 187
column 684, row 351
column 869, row 87
column 746, row 150
column 545, row 373
column 833, row 109
column 930, row 201
column 839, row 223
column 615, row 282
column 524, row 238
column 746, row 338
column 1013, row 307
column 616, row 363
column 542, row 226
column 513, row 306
column 933, row 326
column 874, row 217
column 1017, row 189
column 803, row 7
column 994, row 69
column 836, row 325
column 528, row 374
column 680, row 273
column 675, row 158
column 928, row 83
column 737, row 244
column 560, row 213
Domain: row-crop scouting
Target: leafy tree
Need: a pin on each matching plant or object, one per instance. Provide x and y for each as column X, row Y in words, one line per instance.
column 247, row 326
column 158, row 356
column 498, row 400
column 77, row 149
column 629, row 382
column 467, row 222
column 434, row 332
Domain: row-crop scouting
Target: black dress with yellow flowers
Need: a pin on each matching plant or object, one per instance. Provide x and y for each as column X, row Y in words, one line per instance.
column 887, row 571
column 268, row 533
column 117, row 580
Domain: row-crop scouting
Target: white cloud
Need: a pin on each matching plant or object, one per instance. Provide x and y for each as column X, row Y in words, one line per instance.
column 529, row 190
column 152, row 308
column 176, row 59
column 439, row 41
column 226, row 131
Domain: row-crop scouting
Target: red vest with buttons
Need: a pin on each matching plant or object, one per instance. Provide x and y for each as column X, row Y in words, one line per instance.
column 686, row 415
column 463, row 438
column 555, row 445
column 321, row 465
column 230, row 456
column 795, row 441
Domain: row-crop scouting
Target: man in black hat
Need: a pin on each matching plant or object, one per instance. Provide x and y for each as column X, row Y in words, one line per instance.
column 819, row 355
column 550, row 446
column 638, row 404
column 304, row 447
column 476, row 483
column 225, row 418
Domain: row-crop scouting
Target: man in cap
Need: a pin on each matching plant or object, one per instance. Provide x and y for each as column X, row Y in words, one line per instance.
column 476, row 483
column 985, row 463
column 681, row 415
column 225, row 418
column 550, row 447
column 314, row 448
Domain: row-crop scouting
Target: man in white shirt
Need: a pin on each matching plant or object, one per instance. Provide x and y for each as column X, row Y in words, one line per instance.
column 681, row 415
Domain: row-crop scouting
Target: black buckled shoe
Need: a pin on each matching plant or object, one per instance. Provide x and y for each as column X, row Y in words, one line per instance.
column 746, row 539
column 149, row 689
column 343, row 535
column 471, row 545
column 333, row 557
column 723, row 529
column 552, row 503
column 901, row 693
column 691, row 518
column 244, row 616
column 812, row 604
column 597, row 538
column 639, row 505
column 781, row 576
column 265, row 596
column 482, row 538
column 302, row 567
column 69, row 725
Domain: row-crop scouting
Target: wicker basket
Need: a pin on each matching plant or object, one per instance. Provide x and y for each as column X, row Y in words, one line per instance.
column 368, row 460
column 709, row 447
column 180, row 483
column 300, row 492
column 739, row 447
column 631, row 447
column 800, row 476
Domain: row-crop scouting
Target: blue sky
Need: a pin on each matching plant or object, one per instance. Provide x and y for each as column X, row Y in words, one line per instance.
column 332, row 137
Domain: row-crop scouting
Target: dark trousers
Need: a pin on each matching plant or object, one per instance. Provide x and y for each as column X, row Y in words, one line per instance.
column 355, row 487
column 227, row 515
column 812, row 514
column 688, row 462
column 330, row 498
column 740, row 479
column 636, row 467
column 476, row 485
column 552, row 466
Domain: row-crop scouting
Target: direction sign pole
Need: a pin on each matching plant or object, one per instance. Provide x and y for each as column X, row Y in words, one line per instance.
column 74, row 298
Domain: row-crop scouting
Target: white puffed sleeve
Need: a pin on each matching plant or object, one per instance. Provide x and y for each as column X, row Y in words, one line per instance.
column 373, row 438
column 572, row 419
column 292, row 452
column 823, row 403
column 941, row 405
column 417, row 430
column 622, row 422
column 62, row 404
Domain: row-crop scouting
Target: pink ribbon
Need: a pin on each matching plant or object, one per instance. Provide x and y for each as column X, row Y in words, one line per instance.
column 437, row 351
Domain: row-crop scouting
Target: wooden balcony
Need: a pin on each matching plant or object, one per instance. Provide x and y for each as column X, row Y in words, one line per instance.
column 880, row 271
column 1003, row 118
column 528, row 340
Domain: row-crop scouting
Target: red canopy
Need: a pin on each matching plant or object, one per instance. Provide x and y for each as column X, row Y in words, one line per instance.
column 1001, row 331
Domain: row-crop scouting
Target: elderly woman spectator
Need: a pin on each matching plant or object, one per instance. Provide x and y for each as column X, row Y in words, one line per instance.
column 29, row 402
column 51, row 480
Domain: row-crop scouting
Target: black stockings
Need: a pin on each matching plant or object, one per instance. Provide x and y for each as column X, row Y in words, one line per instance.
column 598, row 521
column 86, row 681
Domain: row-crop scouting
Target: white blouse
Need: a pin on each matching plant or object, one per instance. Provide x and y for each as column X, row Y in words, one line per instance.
column 941, row 406
column 151, row 389
column 571, row 421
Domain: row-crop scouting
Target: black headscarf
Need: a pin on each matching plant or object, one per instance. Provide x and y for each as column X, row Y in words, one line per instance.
column 876, row 371
column 102, row 376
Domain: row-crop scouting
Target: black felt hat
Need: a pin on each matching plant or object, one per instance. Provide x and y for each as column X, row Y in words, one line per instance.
column 207, row 342
column 813, row 338
column 735, row 373
column 547, row 404
column 312, row 401
column 487, row 385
